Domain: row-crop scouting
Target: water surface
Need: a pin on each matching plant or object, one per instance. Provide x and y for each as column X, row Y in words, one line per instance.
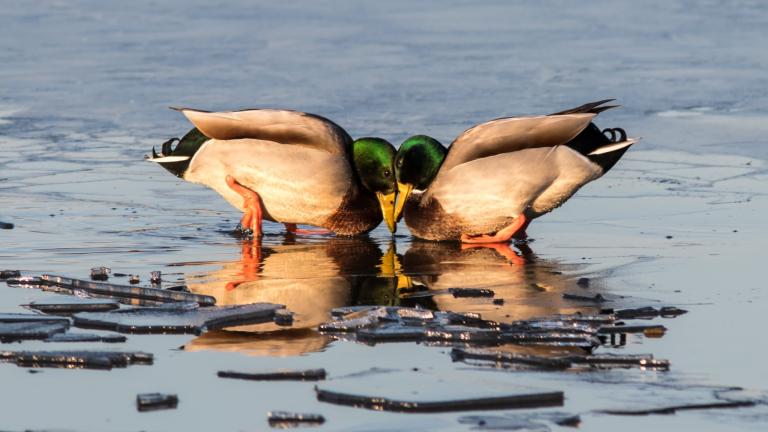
column 679, row 221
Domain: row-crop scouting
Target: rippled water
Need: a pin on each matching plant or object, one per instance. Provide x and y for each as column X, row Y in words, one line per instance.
column 679, row 221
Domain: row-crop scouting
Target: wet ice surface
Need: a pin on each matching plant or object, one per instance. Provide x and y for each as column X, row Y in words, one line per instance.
column 679, row 222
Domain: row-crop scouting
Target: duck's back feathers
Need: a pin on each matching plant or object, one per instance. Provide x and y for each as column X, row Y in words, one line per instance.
column 506, row 135
column 280, row 126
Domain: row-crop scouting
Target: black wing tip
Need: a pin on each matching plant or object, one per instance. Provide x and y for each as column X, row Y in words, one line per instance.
column 598, row 110
column 590, row 108
column 182, row 109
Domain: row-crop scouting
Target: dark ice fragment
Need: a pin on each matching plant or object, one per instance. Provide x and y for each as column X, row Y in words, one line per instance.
column 86, row 337
column 280, row 375
column 555, row 339
column 6, row 225
column 284, row 419
column 346, row 310
column 378, row 403
column 471, row 292
column 671, row 312
column 68, row 305
column 283, row 317
column 646, row 361
column 156, row 401
column 466, row 319
column 349, row 325
column 8, row 274
column 463, row 334
column 100, row 273
column 76, row 359
column 648, row 312
column 177, row 318
column 672, row 409
column 31, row 318
column 127, row 291
column 393, row 333
column 530, row 421
column 597, row 298
column 655, row 329
column 459, row 354
column 17, row 331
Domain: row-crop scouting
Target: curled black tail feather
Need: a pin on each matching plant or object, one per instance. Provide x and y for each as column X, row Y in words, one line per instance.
column 613, row 131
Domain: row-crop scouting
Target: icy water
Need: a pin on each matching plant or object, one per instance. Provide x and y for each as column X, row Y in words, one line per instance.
column 680, row 221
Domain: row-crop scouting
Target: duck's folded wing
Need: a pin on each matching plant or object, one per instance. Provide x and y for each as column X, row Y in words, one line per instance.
column 506, row 135
column 282, row 126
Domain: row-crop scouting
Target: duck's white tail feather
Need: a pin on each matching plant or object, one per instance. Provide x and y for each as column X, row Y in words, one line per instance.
column 168, row 159
column 613, row 147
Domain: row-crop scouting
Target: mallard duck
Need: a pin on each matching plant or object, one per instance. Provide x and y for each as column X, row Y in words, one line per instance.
column 499, row 175
column 287, row 166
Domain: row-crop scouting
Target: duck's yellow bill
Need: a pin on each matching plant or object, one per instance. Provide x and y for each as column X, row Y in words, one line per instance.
column 387, row 204
column 403, row 192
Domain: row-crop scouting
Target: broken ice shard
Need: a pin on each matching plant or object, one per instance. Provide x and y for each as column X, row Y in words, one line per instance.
column 177, row 318
column 126, row 291
column 378, row 403
column 156, row 401
column 86, row 337
column 280, row 375
column 16, row 327
column 62, row 305
column 76, row 359
column 283, row 419
column 100, row 273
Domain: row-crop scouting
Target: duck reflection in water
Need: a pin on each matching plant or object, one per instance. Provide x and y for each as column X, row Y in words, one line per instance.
column 313, row 276
column 528, row 285
column 309, row 276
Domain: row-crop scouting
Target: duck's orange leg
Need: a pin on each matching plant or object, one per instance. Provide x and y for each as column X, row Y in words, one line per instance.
column 291, row 228
column 502, row 236
column 252, row 217
column 521, row 234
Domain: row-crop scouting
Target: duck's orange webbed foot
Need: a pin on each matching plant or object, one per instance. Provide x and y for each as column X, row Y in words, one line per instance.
column 252, row 213
column 502, row 236
column 291, row 228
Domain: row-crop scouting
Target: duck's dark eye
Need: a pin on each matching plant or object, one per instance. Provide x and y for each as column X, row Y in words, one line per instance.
column 387, row 173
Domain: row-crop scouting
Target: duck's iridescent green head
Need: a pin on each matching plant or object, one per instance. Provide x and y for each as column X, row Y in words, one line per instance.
column 176, row 160
column 374, row 162
column 416, row 164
